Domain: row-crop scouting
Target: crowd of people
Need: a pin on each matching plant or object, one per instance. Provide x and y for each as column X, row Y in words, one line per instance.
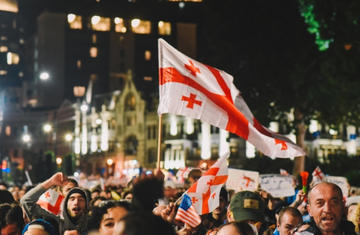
column 149, row 203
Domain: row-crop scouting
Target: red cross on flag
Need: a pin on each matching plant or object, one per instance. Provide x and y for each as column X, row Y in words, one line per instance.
column 205, row 192
column 318, row 175
column 190, row 88
column 51, row 201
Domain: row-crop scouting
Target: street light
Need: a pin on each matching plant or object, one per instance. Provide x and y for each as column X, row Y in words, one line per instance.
column 47, row 128
column 26, row 138
column 44, row 76
column 68, row 137
column 58, row 161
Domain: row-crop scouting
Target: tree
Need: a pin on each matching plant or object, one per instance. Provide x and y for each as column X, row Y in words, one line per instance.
column 277, row 66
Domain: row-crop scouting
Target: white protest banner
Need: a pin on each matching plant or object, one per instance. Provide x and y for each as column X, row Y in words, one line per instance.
column 277, row 185
column 242, row 180
column 340, row 181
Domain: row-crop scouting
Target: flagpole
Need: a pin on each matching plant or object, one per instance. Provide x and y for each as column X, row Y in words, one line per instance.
column 159, row 141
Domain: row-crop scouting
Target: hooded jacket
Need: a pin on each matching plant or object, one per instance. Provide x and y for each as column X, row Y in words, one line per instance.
column 65, row 222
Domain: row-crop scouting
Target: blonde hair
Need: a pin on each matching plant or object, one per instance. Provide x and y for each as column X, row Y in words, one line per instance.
column 355, row 218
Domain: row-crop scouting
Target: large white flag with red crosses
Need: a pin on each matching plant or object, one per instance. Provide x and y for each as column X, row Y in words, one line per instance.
column 190, row 88
column 205, row 192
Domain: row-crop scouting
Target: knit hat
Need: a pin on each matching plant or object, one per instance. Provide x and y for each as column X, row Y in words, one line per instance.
column 247, row 205
column 41, row 224
column 77, row 190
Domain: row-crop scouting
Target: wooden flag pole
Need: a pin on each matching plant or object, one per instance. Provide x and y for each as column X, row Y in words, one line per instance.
column 159, row 141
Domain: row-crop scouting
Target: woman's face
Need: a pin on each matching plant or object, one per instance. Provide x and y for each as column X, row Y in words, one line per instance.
column 108, row 221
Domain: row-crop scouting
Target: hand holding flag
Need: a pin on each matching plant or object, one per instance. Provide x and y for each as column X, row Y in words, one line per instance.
column 187, row 213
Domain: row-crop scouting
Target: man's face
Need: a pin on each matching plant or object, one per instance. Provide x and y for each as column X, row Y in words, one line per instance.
column 288, row 223
column 76, row 205
column 326, row 207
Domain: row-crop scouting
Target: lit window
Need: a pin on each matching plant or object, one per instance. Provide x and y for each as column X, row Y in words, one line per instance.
column 147, row 55
column 8, row 130
column 12, row 58
column 119, row 25
column 141, row 26
column 3, row 48
column 3, row 72
column 74, row 21
column 21, row 41
column 21, row 74
column 100, row 23
column 93, row 52
column 148, row 78
column 78, row 64
column 164, row 28
column 3, row 38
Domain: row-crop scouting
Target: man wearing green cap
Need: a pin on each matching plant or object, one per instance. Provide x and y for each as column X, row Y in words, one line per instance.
column 249, row 207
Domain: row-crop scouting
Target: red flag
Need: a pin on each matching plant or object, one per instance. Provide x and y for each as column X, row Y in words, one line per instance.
column 51, row 201
column 187, row 214
column 199, row 91
column 205, row 192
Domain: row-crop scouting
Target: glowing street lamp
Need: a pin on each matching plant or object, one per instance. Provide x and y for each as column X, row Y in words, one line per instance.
column 47, row 128
column 58, row 161
column 26, row 138
column 44, row 76
column 68, row 137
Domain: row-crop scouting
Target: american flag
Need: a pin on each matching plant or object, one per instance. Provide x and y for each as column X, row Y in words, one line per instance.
column 187, row 214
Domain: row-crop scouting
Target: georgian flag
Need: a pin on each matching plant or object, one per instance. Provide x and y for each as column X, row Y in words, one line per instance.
column 51, row 201
column 205, row 192
column 190, row 88
column 318, row 175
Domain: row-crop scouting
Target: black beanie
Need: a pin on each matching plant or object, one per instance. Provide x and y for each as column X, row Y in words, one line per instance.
column 77, row 190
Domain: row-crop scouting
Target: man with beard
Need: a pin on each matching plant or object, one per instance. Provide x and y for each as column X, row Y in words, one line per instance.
column 75, row 207
column 327, row 210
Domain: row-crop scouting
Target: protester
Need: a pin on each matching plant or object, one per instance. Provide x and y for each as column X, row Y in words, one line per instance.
column 138, row 223
column 170, row 192
column 247, row 206
column 11, row 219
column 3, row 185
column 236, row 228
column 39, row 227
column 75, row 207
column 107, row 214
column 289, row 219
column 327, row 210
column 353, row 215
column 6, row 196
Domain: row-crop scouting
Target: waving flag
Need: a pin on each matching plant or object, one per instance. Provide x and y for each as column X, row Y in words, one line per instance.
column 51, row 201
column 187, row 214
column 205, row 192
column 199, row 91
column 318, row 175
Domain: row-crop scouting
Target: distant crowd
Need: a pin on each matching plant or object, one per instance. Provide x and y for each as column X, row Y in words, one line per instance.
column 149, row 203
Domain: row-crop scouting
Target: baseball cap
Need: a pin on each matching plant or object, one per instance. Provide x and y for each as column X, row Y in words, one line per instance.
column 247, row 205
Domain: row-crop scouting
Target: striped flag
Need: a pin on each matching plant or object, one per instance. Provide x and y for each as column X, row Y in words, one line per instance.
column 192, row 89
column 187, row 214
